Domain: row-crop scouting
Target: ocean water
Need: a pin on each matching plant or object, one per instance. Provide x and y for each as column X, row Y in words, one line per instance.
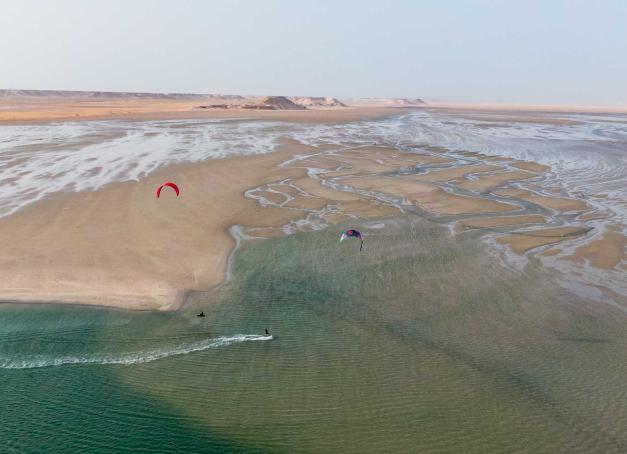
column 422, row 343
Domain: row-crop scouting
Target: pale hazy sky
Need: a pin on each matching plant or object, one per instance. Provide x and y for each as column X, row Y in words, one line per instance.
column 534, row 51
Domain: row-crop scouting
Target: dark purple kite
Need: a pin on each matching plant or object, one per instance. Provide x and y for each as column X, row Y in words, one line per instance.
column 355, row 234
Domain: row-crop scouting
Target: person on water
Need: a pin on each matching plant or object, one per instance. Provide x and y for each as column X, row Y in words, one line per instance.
column 268, row 332
column 202, row 314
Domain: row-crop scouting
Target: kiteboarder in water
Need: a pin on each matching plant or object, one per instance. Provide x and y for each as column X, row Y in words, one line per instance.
column 268, row 332
column 355, row 234
column 202, row 314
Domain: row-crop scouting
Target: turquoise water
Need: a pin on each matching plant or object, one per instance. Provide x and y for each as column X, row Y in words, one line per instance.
column 422, row 343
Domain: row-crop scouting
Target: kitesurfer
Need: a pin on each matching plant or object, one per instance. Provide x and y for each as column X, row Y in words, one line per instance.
column 202, row 314
column 268, row 332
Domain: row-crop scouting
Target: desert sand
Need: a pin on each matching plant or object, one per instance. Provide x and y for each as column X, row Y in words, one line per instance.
column 522, row 242
column 53, row 109
column 528, row 108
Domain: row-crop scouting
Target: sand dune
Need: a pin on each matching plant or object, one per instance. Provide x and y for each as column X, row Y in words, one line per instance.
column 274, row 103
column 400, row 102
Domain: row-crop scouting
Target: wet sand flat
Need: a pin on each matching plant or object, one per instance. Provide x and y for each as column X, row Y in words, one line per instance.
column 427, row 196
column 605, row 253
column 487, row 182
column 522, row 242
column 530, row 166
column 455, row 172
column 488, row 222
column 554, row 203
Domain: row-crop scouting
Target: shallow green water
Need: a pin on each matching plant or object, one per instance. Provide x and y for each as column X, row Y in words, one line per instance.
column 423, row 343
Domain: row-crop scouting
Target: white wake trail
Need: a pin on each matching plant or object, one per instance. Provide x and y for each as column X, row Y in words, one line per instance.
column 129, row 358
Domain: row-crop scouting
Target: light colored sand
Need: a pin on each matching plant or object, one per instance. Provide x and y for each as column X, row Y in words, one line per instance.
column 391, row 155
column 44, row 109
column 551, row 252
column 554, row 203
column 487, row 182
column 307, row 202
column 531, row 108
column 271, row 196
column 367, row 160
column 362, row 165
column 120, row 246
column 605, row 253
column 455, row 172
column 593, row 215
column 521, row 243
column 476, row 223
column 315, row 187
column 318, row 162
column 427, row 196
column 530, row 166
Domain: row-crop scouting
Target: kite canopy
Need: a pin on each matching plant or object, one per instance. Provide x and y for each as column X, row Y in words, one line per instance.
column 352, row 232
column 170, row 184
column 355, row 234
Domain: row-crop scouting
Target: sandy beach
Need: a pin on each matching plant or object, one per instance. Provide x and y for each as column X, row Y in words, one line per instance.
column 122, row 247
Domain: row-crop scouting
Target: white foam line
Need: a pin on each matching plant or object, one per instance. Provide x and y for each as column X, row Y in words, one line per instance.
column 39, row 361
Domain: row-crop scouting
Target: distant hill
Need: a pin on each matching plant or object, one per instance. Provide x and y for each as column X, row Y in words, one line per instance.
column 274, row 103
column 317, row 101
column 409, row 101
column 233, row 101
column 110, row 94
column 405, row 102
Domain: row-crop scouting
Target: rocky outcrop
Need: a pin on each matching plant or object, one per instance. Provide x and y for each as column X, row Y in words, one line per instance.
column 274, row 103
column 317, row 101
column 408, row 101
column 391, row 102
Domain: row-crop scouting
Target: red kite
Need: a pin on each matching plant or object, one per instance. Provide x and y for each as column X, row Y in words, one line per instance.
column 167, row 183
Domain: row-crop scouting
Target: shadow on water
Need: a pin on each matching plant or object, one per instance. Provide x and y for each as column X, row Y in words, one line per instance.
column 51, row 411
column 583, row 339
